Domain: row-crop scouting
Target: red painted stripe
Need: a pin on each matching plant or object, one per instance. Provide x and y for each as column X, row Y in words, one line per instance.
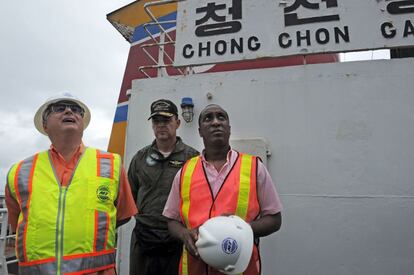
column 28, row 205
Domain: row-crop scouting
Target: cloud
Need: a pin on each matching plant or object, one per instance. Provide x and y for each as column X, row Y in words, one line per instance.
column 19, row 139
column 50, row 46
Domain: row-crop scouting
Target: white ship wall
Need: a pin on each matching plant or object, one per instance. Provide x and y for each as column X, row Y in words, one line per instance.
column 341, row 139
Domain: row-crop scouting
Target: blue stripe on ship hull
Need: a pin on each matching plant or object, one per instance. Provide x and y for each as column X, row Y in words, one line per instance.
column 140, row 33
column 121, row 113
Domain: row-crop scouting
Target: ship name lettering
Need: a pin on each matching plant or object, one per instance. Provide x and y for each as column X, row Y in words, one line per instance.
column 308, row 38
column 221, row 47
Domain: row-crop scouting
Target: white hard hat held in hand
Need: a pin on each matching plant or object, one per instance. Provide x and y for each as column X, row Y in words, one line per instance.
column 226, row 243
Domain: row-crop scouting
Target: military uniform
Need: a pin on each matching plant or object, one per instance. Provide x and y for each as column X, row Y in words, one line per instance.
column 150, row 175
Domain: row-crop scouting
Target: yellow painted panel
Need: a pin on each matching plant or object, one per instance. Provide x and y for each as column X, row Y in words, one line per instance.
column 134, row 14
column 117, row 139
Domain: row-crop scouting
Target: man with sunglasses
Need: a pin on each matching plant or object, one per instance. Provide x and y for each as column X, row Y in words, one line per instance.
column 65, row 203
column 151, row 172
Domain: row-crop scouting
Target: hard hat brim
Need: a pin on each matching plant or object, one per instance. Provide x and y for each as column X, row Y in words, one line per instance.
column 38, row 118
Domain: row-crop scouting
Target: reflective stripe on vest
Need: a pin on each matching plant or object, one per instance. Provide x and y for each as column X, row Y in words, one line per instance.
column 237, row 195
column 24, row 171
column 85, row 263
column 187, row 173
column 184, row 262
column 105, row 167
column 101, row 230
column 244, row 188
column 88, row 240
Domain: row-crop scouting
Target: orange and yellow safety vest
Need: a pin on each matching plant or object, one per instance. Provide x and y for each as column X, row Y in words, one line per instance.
column 237, row 196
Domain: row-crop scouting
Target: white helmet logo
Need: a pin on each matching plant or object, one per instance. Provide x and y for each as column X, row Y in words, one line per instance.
column 229, row 246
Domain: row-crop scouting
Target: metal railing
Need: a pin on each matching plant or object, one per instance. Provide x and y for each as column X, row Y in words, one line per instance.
column 164, row 40
column 4, row 237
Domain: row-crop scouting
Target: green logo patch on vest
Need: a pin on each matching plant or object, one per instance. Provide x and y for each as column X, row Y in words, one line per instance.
column 103, row 193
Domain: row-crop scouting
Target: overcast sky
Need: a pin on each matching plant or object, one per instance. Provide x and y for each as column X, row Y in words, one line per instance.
column 51, row 46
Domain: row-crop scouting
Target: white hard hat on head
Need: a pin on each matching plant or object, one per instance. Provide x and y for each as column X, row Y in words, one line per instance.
column 226, row 243
column 63, row 96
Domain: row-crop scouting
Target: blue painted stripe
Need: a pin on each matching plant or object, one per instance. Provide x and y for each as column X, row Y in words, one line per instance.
column 121, row 113
column 140, row 33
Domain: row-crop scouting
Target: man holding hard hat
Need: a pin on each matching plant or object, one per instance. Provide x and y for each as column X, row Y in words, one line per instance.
column 220, row 182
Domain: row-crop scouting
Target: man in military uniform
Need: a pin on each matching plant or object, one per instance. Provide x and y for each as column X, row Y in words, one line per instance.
column 151, row 172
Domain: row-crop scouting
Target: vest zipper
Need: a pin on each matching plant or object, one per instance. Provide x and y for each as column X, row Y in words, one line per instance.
column 59, row 234
column 61, row 214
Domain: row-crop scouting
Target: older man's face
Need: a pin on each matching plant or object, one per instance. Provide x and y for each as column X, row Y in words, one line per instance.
column 64, row 117
column 214, row 126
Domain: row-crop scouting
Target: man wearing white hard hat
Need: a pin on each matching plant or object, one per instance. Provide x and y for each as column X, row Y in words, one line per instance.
column 221, row 182
column 66, row 202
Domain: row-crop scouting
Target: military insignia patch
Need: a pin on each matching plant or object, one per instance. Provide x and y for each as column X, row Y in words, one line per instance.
column 103, row 193
column 176, row 163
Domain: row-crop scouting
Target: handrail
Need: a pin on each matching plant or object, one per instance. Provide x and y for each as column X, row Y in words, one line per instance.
column 3, row 237
column 158, row 3
column 156, row 42
column 158, row 64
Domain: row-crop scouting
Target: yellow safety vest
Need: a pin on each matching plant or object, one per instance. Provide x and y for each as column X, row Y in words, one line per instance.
column 66, row 229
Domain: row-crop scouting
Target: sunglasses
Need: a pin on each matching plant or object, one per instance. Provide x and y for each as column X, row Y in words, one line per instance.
column 61, row 107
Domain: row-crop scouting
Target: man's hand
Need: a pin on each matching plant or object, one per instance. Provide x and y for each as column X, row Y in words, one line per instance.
column 266, row 225
column 187, row 236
